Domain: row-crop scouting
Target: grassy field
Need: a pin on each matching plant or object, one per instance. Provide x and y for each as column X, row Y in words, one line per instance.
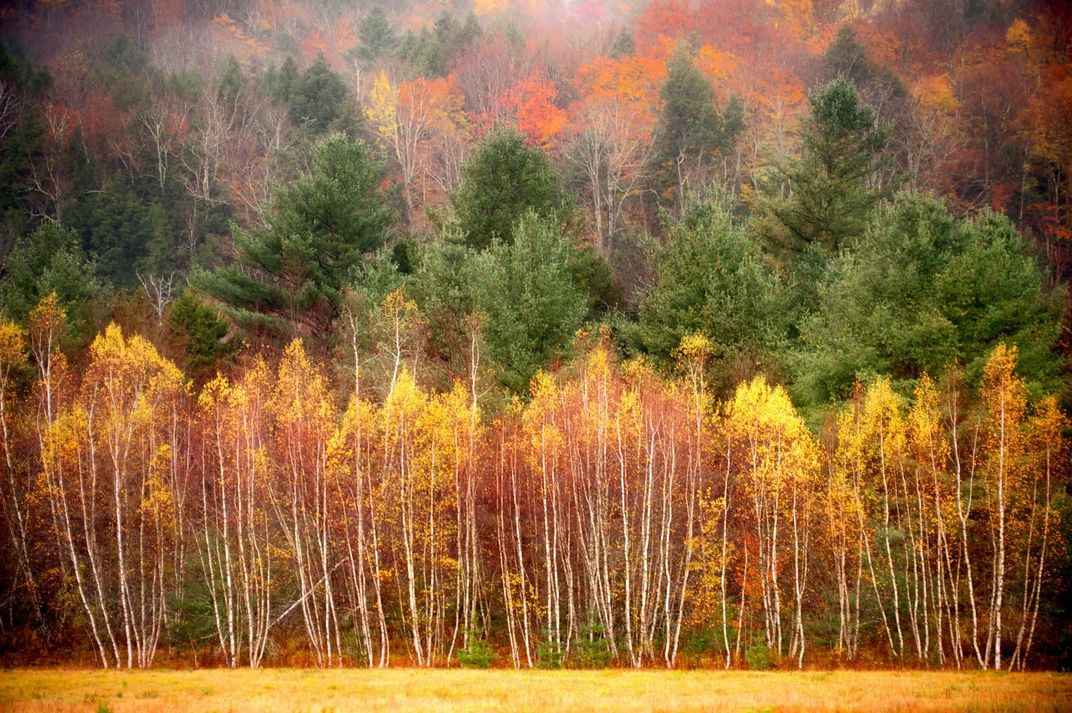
column 402, row 690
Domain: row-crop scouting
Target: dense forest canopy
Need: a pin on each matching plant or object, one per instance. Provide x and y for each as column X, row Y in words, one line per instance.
column 575, row 333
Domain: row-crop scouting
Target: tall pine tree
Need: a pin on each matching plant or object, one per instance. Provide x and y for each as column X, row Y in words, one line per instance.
column 830, row 198
column 290, row 275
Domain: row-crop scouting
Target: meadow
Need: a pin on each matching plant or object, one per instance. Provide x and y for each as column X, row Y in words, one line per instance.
column 402, row 690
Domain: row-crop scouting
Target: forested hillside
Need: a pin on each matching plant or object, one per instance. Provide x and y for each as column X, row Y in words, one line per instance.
column 536, row 333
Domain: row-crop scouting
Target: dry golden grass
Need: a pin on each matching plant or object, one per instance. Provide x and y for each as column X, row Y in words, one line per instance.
column 401, row 690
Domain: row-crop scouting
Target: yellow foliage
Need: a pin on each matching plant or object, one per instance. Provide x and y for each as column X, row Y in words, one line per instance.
column 12, row 345
column 694, row 346
column 717, row 65
column 487, row 7
column 936, row 91
column 382, row 111
column 1018, row 36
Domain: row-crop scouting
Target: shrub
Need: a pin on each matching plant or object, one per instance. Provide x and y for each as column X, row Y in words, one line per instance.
column 591, row 649
column 758, row 656
column 477, row 654
column 548, row 656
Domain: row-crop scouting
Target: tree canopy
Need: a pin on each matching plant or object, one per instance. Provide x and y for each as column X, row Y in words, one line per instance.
column 527, row 290
column 289, row 275
column 711, row 279
column 504, row 178
column 923, row 291
column 829, row 199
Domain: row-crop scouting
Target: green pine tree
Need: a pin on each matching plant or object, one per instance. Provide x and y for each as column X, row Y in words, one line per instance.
column 830, row 199
column 528, row 294
column 376, row 37
column 290, row 275
column 503, row 179
column 923, row 291
column 711, row 279
column 691, row 133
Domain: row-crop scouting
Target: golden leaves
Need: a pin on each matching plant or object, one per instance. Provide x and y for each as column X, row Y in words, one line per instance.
column 694, row 346
column 382, row 110
column 780, row 447
column 12, row 346
column 1003, row 392
column 936, row 91
column 1019, row 36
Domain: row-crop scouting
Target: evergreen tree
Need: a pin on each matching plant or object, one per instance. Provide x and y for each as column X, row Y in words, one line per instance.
column 279, row 83
column 50, row 260
column 123, row 70
column 320, row 100
column 847, row 58
column 528, row 294
column 230, row 79
column 200, row 333
column 441, row 287
column 22, row 138
column 711, row 279
column 116, row 229
column 830, row 200
column 623, row 46
column 691, row 134
column 504, row 178
column 921, row 291
column 290, row 275
column 376, row 37
column 423, row 52
column 454, row 37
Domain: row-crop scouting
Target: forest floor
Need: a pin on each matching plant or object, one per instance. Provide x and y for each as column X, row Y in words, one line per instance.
column 402, row 690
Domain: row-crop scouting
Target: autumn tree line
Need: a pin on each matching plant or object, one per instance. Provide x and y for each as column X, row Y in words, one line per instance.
column 700, row 334
column 617, row 516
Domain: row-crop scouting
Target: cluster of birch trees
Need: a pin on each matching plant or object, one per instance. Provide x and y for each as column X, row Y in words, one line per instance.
column 297, row 506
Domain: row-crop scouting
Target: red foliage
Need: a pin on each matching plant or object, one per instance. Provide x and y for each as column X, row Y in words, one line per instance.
column 532, row 104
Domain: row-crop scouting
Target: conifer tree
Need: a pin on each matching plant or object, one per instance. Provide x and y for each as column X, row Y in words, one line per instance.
column 289, row 275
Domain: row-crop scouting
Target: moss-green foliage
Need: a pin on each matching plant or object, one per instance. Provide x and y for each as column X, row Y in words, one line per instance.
column 591, row 649
column 433, row 53
column 478, row 654
column 690, row 130
column 441, row 286
column 698, row 643
column 711, row 279
column 50, row 259
column 321, row 229
column 201, row 333
column 758, row 657
column 376, row 37
column 830, row 201
column 921, row 291
column 318, row 99
column 528, row 293
column 118, row 228
column 501, row 181
column 548, row 657
column 22, row 144
column 423, row 52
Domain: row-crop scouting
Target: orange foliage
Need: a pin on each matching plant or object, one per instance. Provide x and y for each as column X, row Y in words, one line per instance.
column 166, row 14
column 632, row 78
column 487, row 7
column 314, row 44
column 100, row 116
column 532, row 103
column 663, row 19
column 936, row 92
column 798, row 17
column 247, row 49
column 1045, row 119
column 717, row 65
